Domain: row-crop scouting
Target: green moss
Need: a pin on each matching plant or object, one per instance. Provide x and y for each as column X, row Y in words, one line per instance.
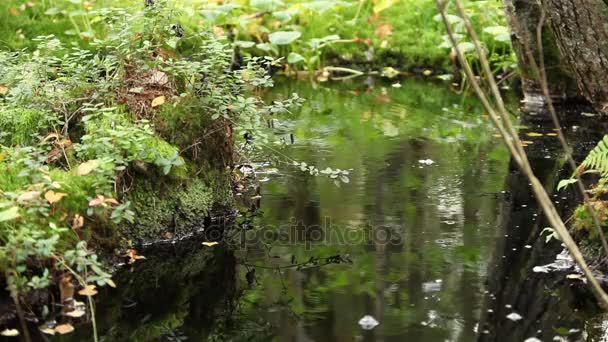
column 177, row 209
column 23, row 126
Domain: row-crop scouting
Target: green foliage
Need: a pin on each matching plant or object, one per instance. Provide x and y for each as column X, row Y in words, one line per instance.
column 597, row 159
column 82, row 127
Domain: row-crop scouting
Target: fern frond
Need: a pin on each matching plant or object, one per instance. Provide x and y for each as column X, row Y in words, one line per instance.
column 597, row 159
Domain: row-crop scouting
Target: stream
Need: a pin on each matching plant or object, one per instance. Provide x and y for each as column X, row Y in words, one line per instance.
column 434, row 236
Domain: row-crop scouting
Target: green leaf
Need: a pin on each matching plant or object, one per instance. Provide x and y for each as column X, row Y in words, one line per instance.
column 245, row 44
column 565, row 182
column 295, row 58
column 284, row 37
column 466, row 47
column 52, row 11
column 9, row 214
column 266, row 4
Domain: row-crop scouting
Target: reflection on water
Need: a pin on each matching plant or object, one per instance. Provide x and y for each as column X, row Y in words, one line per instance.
column 424, row 201
column 434, row 236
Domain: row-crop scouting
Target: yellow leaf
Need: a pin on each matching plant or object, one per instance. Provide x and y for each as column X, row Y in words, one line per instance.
column 76, row 313
column 28, row 196
column 381, row 5
column 54, row 197
column 158, row 101
column 3, row 155
column 111, row 283
column 534, row 134
column 13, row 11
column 64, row 328
column 10, row 332
column 551, row 134
column 88, row 290
column 210, row 244
column 3, row 89
column 48, row 331
column 86, row 167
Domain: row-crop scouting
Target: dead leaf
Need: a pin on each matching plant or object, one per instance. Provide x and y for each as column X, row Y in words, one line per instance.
column 86, row 167
column 210, row 244
column 64, row 328
column 28, row 196
column 76, row 313
column 66, row 289
column 158, row 78
column 384, row 30
column 10, row 332
column 133, row 256
column 97, row 201
column 3, row 89
column 77, row 222
column 88, row 290
column 13, row 11
column 158, row 101
column 111, row 201
column 54, row 197
column 48, row 331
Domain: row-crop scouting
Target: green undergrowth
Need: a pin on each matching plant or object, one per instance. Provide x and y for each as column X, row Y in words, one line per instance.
column 309, row 35
column 127, row 140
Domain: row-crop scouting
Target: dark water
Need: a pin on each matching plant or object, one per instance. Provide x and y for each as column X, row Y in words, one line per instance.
column 434, row 236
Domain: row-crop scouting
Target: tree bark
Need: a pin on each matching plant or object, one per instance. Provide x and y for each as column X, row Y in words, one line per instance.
column 581, row 32
column 575, row 47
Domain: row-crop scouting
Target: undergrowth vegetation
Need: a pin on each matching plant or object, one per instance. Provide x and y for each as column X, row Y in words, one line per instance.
column 313, row 36
column 82, row 129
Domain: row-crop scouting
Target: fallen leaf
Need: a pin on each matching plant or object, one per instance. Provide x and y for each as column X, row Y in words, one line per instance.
column 13, row 11
column 76, row 313
column 210, row 244
column 97, row 201
column 133, row 256
column 10, row 332
column 88, row 290
column 86, row 167
column 3, row 89
column 28, row 196
column 384, row 30
column 158, row 78
column 64, row 328
column 48, row 331
column 111, row 201
column 77, row 221
column 54, row 197
column 158, row 101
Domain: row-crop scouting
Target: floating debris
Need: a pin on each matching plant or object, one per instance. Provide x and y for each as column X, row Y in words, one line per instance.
column 368, row 322
column 432, row 286
column 426, row 162
column 514, row 316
